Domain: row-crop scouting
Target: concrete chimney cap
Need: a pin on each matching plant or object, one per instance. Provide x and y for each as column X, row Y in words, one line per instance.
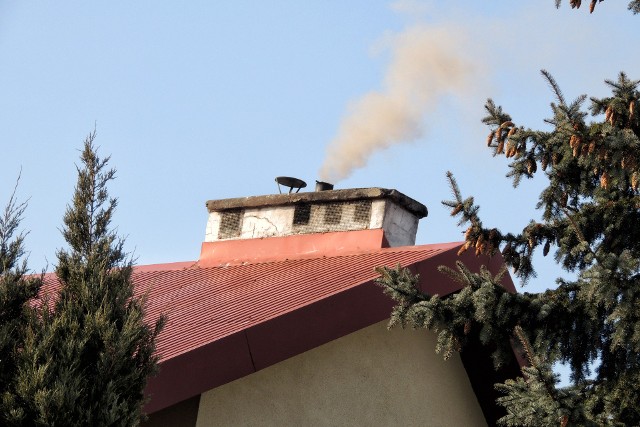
column 344, row 195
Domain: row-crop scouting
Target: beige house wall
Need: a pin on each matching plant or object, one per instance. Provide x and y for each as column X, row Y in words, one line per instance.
column 182, row 414
column 372, row 377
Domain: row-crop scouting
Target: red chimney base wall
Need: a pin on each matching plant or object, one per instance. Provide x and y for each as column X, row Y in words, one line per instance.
column 235, row 252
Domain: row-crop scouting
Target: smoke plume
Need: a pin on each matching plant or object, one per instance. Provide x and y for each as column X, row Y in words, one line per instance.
column 426, row 65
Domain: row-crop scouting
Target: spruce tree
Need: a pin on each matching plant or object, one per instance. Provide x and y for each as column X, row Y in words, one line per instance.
column 89, row 360
column 590, row 215
column 17, row 291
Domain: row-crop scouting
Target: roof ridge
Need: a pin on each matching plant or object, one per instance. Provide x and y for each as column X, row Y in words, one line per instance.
column 312, row 256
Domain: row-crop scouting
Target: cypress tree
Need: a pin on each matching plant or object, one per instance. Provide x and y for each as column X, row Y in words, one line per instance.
column 17, row 291
column 89, row 359
column 590, row 216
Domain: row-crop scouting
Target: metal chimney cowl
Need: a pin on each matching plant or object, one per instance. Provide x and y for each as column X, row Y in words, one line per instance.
column 323, row 186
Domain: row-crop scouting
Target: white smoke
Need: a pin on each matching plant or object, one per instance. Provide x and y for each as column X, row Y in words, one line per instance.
column 426, row 64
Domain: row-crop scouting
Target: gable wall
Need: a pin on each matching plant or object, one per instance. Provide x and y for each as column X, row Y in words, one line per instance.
column 372, row 377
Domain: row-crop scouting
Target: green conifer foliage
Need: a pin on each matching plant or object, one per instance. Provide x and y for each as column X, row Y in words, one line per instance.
column 591, row 212
column 634, row 5
column 89, row 361
column 16, row 292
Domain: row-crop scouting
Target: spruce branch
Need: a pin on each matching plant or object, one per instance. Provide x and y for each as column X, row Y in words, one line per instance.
column 536, row 363
column 633, row 6
column 578, row 232
column 556, row 89
column 590, row 212
column 518, row 249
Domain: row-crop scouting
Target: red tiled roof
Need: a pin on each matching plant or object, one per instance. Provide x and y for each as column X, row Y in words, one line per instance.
column 227, row 321
column 207, row 304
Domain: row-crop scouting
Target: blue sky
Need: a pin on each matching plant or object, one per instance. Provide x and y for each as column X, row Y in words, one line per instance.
column 208, row 100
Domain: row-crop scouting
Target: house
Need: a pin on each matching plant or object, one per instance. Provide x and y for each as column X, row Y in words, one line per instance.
column 279, row 322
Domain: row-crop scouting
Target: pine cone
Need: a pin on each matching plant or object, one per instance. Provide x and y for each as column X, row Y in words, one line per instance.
column 489, row 248
column 468, row 233
column 506, row 124
column 632, row 109
column 500, row 148
column 511, row 149
column 575, row 4
column 482, row 248
column 456, row 210
column 531, row 166
column 464, row 248
column 604, row 180
column 546, row 248
column 608, row 113
column 634, row 180
column 592, row 147
column 573, row 141
column 602, row 154
column 555, row 158
column 624, row 162
column 490, row 138
column 486, row 247
column 592, row 6
column 584, row 150
column 544, row 162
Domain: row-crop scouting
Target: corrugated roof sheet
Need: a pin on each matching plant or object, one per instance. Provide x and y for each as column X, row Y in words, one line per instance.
column 226, row 321
column 207, row 304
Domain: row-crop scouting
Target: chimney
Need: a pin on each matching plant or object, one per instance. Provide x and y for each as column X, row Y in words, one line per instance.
column 315, row 213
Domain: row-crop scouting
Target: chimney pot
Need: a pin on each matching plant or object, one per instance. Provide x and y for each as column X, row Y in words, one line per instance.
column 323, row 186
